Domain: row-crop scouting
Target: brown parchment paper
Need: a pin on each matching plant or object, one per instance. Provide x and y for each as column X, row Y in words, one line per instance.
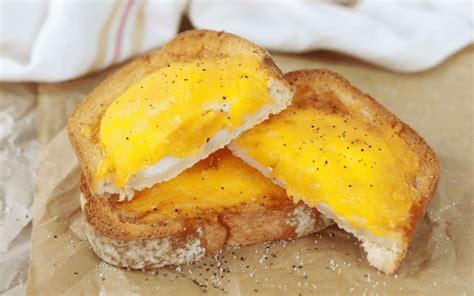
column 437, row 103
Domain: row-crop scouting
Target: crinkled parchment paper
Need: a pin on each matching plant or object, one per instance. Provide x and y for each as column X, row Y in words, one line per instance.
column 18, row 157
column 437, row 103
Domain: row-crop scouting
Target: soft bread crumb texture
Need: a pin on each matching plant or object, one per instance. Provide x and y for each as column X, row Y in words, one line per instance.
column 303, row 221
column 145, row 254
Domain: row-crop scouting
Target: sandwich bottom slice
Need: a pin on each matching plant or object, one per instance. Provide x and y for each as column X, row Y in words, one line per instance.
column 341, row 152
column 219, row 201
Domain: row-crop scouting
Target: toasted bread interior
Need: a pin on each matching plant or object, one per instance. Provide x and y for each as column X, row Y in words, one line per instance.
column 340, row 151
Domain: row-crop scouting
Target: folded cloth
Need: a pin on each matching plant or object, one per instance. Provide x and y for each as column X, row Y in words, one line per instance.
column 59, row 40
column 404, row 36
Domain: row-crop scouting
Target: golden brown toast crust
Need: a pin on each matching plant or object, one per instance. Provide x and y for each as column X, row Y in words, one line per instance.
column 84, row 123
column 318, row 82
column 107, row 219
column 239, row 225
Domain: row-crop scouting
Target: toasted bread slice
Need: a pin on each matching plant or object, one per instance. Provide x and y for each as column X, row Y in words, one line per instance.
column 164, row 121
column 340, row 151
column 218, row 201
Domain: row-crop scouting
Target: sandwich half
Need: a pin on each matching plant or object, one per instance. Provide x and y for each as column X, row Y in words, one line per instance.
column 219, row 201
column 341, row 152
column 162, row 113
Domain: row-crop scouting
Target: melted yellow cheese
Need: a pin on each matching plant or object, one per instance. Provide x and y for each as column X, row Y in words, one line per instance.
column 175, row 110
column 220, row 181
column 363, row 171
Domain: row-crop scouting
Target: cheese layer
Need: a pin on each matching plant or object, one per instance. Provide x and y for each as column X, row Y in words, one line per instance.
column 176, row 110
column 328, row 154
column 220, row 181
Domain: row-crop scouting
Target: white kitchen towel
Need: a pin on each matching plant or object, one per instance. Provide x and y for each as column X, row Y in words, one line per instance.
column 404, row 36
column 60, row 40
